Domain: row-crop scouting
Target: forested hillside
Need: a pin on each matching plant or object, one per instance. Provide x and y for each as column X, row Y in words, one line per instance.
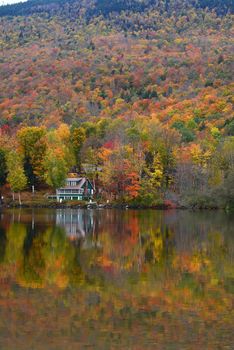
column 105, row 7
column 140, row 89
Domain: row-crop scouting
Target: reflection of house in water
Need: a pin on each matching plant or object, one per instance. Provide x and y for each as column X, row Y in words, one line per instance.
column 77, row 223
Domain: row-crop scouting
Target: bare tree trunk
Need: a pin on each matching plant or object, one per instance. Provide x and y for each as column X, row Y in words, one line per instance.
column 13, row 196
column 20, row 203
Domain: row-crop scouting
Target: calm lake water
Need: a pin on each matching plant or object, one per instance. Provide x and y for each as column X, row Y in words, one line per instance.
column 112, row 279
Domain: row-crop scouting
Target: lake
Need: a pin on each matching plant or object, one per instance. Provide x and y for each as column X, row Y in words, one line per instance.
column 116, row 279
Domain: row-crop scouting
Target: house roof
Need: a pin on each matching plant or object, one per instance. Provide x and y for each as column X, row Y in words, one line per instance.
column 81, row 181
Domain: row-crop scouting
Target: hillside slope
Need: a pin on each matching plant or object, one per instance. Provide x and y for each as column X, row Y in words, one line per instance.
column 155, row 76
column 59, row 68
column 105, row 7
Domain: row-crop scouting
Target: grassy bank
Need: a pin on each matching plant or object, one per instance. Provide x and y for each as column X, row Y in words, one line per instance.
column 40, row 200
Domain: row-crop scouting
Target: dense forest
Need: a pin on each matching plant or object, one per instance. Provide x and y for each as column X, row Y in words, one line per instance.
column 136, row 94
column 90, row 8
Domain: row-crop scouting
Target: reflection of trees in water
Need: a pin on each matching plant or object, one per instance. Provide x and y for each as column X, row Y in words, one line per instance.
column 195, row 229
column 151, row 273
column 2, row 243
column 142, row 273
column 157, row 245
column 80, row 246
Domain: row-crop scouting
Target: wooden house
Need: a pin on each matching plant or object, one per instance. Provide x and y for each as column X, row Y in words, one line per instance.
column 76, row 188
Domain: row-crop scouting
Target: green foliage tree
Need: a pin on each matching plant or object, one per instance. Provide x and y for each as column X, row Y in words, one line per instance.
column 56, row 168
column 33, row 147
column 16, row 176
column 230, row 128
column 78, row 137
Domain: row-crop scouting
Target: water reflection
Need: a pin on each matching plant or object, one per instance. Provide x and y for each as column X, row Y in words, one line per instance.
column 114, row 279
column 77, row 223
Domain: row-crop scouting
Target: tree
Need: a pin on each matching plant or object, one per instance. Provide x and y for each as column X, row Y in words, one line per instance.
column 222, row 170
column 16, row 176
column 151, row 182
column 33, row 147
column 120, row 173
column 155, row 173
column 56, row 168
column 78, row 137
column 59, row 157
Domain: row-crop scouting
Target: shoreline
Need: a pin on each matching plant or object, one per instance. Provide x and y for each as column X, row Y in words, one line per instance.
column 121, row 206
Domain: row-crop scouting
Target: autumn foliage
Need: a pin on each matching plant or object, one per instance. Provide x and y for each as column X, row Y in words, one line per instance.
column 140, row 101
